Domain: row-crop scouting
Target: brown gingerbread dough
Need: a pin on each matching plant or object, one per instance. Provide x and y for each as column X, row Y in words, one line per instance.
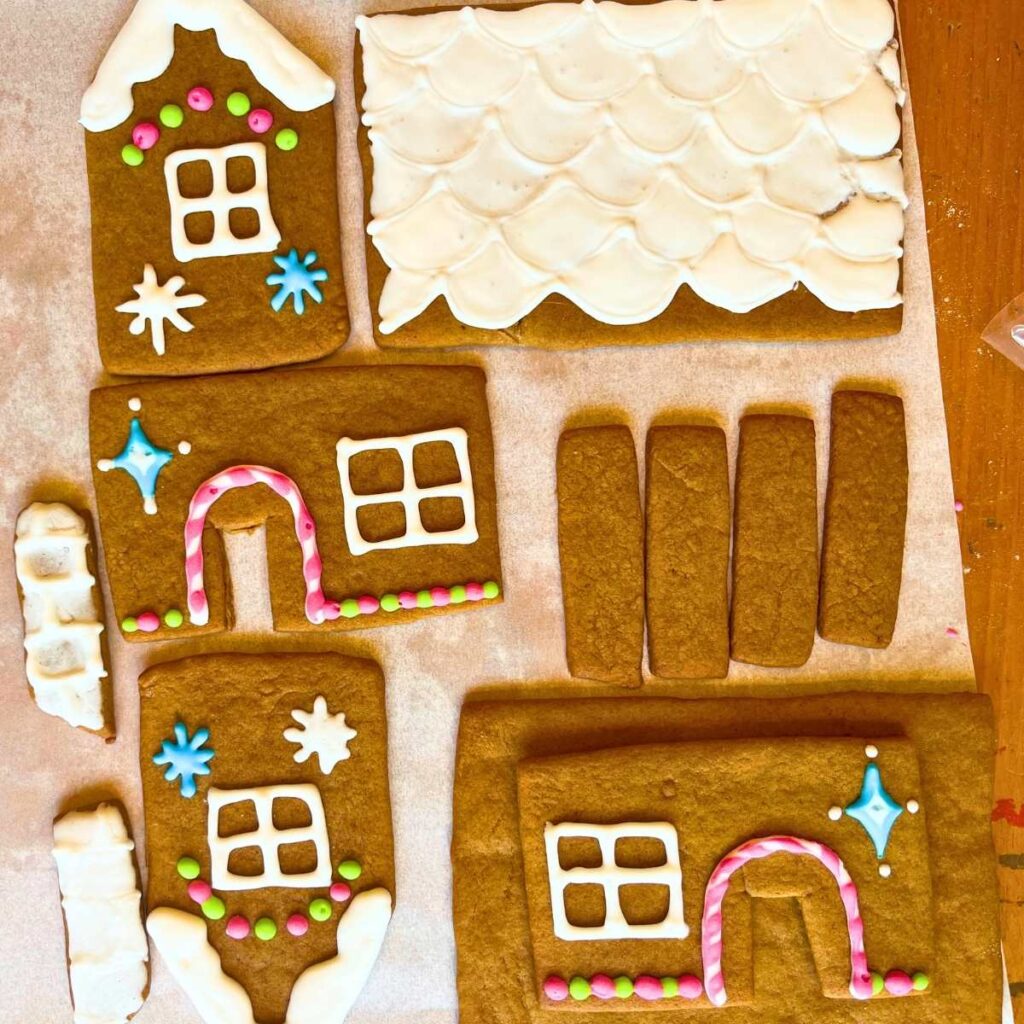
column 775, row 546
column 724, row 772
column 865, row 520
column 600, row 545
column 688, row 537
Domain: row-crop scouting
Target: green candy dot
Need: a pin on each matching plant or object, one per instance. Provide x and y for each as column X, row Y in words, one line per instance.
column 132, row 155
column 877, row 983
column 287, row 139
column 491, row 589
column 188, row 868
column 390, row 603
column 238, row 104
column 424, row 600
column 579, row 988
column 921, row 981
column 320, row 910
column 350, row 870
column 213, row 908
column 173, row 618
column 172, row 116
column 623, row 987
column 670, row 986
column 457, row 595
column 129, row 625
column 350, row 608
column 264, row 929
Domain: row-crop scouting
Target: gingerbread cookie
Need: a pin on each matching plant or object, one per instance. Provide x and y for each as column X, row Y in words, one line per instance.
column 826, row 860
column 108, row 958
column 268, row 831
column 65, row 645
column 572, row 175
column 375, row 484
column 600, row 544
column 865, row 519
column 212, row 162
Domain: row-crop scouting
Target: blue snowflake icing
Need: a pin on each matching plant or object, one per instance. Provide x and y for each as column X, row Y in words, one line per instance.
column 875, row 809
column 185, row 757
column 297, row 279
column 142, row 461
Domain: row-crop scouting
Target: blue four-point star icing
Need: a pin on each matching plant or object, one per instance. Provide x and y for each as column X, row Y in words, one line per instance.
column 875, row 809
column 185, row 758
column 142, row 461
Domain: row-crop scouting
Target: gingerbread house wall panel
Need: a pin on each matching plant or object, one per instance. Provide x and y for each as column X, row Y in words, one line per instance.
column 154, row 214
column 288, row 426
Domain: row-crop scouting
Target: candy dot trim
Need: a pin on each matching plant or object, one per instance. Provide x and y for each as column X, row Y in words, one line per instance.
column 433, row 597
column 149, row 621
column 645, row 987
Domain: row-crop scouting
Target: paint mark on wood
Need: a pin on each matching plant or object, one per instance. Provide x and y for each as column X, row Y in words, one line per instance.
column 1007, row 810
column 1013, row 861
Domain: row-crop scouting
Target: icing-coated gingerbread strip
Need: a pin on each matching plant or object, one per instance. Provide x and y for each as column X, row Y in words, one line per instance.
column 600, row 544
column 757, row 849
column 318, row 607
column 688, row 525
column 865, row 520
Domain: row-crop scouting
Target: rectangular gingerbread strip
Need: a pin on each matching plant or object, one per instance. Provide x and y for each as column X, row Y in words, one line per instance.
column 600, row 542
column 688, row 523
column 865, row 520
column 775, row 544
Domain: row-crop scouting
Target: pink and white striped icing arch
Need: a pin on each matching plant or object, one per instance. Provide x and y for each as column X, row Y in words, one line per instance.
column 757, row 849
column 318, row 608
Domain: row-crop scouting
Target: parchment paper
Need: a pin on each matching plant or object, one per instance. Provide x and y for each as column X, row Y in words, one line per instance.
column 48, row 52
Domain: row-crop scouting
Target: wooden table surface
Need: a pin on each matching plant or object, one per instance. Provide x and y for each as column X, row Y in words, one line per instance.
column 965, row 60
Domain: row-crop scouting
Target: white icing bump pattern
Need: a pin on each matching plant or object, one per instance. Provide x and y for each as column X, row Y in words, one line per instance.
column 613, row 153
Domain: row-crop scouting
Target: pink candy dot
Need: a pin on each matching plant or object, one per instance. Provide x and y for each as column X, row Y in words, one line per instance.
column 474, row 592
column 950, row 630
column 958, row 505
column 199, row 890
column 367, row 604
column 556, row 989
column 149, row 622
column 297, row 924
column 648, row 988
column 237, row 927
column 260, row 120
column 440, row 596
column 602, row 986
column 145, row 135
column 898, row 983
column 407, row 599
column 200, row 98
column 690, row 987
column 340, row 892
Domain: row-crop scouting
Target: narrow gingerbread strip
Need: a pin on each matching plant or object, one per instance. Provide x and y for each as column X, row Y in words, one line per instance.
column 600, row 542
column 688, row 524
column 865, row 520
column 775, row 548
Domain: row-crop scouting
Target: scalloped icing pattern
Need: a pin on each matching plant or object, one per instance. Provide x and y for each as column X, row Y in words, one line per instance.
column 613, row 153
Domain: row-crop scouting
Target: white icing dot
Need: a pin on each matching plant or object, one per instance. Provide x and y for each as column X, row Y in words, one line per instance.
column 871, row 751
column 184, row 447
column 884, row 870
column 135, row 404
column 105, row 465
column 835, row 813
column 913, row 806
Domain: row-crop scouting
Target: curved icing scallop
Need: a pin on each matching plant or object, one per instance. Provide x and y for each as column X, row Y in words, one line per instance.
column 409, row 37
column 529, row 27
column 494, row 285
column 432, row 235
column 561, row 230
column 863, row 123
column 651, row 26
column 615, row 170
column 397, row 184
column 496, row 178
column 388, row 81
column 544, row 125
column 700, row 67
column 812, row 178
column 771, row 233
column 847, row 284
column 474, row 70
column 713, row 168
column 758, row 119
column 586, row 63
column 751, row 24
column 404, row 296
column 726, row 276
column 653, row 117
column 870, row 24
column 866, row 228
column 674, row 225
column 883, row 179
column 425, row 130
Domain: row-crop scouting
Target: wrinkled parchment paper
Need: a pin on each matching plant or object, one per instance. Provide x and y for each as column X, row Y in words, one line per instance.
column 48, row 52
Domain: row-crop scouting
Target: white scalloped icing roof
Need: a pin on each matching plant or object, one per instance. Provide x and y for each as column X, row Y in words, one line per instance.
column 612, row 153
column 144, row 48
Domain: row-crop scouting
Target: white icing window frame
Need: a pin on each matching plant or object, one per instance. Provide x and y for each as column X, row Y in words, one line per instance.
column 611, row 877
column 411, row 494
column 268, row 839
column 220, row 202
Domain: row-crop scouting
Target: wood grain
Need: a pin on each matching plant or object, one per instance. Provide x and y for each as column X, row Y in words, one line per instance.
column 966, row 69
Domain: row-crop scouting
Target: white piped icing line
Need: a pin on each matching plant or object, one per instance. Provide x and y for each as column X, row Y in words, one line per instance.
column 64, row 657
column 613, row 153
column 323, row 994
column 144, row 48
column 107, row 950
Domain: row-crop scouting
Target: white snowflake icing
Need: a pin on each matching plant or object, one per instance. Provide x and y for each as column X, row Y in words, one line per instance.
column 159, row 302
column 322, row 733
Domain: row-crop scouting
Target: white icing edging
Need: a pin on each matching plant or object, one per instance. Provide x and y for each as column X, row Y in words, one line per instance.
column 321, row 733
column 144, row 48
column 613, row 154
column 107, row 950
column 64, row 657
column 611, row 876
column 322, row 994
